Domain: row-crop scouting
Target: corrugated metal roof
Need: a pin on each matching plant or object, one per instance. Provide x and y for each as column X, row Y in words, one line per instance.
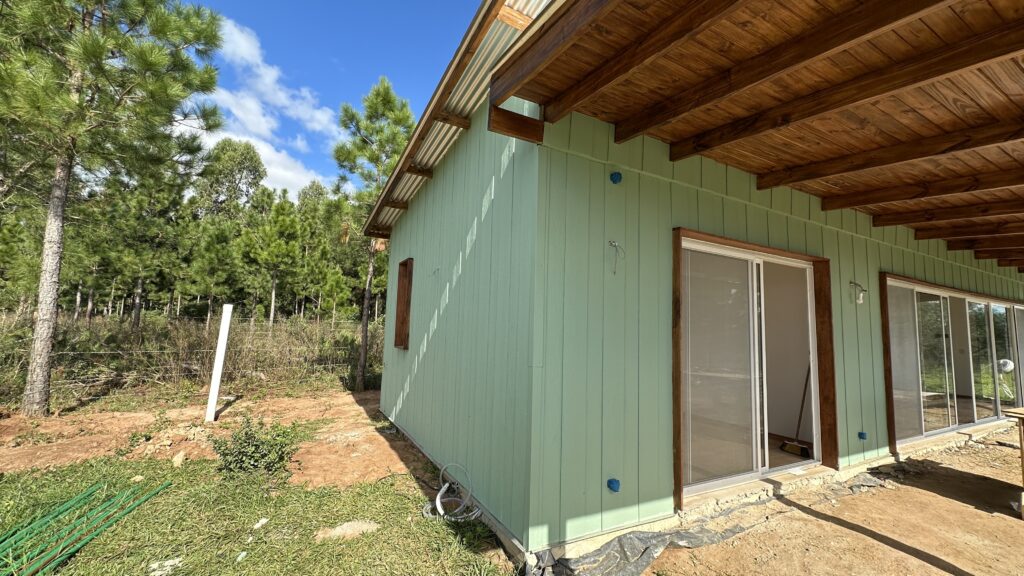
column 469, row 92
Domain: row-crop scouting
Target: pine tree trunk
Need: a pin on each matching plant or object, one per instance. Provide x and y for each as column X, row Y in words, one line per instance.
column 89, row 306
column 110, row 301
column 209, row 312
column 120, row 308
column 177, row 308
column 78, row 302
column 37, row 386
column 364, row 329
column 273, row 297
column 334, row 313
column 137, row 305
column 302, row 308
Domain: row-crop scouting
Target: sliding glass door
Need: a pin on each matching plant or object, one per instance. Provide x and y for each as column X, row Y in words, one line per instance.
column 1005, row 367
column 718, row 417
column 981, row 360
column 938, row 398
column 744, row 402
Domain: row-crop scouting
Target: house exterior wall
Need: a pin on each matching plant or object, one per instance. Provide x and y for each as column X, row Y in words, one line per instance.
column 461, row 390
column 601, row 344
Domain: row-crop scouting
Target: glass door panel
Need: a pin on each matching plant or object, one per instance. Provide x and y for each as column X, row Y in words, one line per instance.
column 936, row 365
column 1018, row 323
column 1002, row 330
column 981, row 360
column 905, row 360
column 718, row 367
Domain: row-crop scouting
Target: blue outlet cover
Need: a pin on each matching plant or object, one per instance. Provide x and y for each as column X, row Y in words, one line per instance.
column 613, row 484
column 862, row 435
column 615, row 177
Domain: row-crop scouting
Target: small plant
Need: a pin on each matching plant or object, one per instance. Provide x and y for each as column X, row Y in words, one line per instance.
column 256, row 447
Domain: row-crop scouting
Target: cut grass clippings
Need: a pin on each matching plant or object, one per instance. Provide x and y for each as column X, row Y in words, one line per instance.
column 207, row 521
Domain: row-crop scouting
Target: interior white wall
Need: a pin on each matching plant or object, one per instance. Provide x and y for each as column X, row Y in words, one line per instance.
column 787, row 349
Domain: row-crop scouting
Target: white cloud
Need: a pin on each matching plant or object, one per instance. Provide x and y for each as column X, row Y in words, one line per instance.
column 241, row 48
column 245, row 113
column 299, row 143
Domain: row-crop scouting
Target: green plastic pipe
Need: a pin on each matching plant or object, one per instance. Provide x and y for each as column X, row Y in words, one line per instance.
column 115, row 502
column 85, row 524
column 61, row 559
column 34, row 526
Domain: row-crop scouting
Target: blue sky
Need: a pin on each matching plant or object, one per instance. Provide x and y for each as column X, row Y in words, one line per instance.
column 285, row 69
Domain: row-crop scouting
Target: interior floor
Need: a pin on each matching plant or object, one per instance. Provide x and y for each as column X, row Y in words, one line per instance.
column 777, row 457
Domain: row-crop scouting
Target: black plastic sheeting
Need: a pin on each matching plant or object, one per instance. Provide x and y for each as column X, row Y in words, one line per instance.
column 629, row 554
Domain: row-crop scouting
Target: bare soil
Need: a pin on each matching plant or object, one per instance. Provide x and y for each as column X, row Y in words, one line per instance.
column 354, row 443
column 948, row 512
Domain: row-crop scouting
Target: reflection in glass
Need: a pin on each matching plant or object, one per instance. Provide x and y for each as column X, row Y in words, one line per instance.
column 718, row 425
column 1005, row 363
column 981, row 360
column 936, row 390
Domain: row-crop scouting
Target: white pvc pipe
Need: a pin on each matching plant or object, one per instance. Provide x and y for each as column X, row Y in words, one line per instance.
column 218, row 363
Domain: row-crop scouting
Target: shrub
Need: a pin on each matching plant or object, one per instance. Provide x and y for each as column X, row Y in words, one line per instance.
column 256, row 447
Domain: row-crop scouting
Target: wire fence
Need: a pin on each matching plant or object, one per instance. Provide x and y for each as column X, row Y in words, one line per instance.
column 171, row 359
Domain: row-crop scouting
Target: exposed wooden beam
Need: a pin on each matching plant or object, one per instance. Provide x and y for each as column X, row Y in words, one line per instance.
column 835, row 35
column 396, row 205
column 969, row 139
column 689, row 21
column 1011, row 241
column 515, row 125
column 981, row 210
column 453, row 120
column 1010, row 262
column 514, row 18
column 377, row 233
column 976, row 183
column 996, row 253
column 1020, row 270
column 421, row 171
column 969, row 231
column 975, row 51
column 571, row 21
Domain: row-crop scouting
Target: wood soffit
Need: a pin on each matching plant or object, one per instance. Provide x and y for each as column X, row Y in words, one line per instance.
column 911, row 111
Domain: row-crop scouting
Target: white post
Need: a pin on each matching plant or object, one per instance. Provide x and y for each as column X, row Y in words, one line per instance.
column 218, row 363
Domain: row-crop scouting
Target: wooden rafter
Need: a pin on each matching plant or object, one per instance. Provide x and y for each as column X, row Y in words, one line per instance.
column 688, row 22
column 977, row 183
column 396, row 205
column 1010, row 262
column 514, row 18
column 421, row 171
column 983, row 210
column 969, row 139
column 515, row 125
column 998, row 44
column 839, row 33
column 571, row 21
column 1011, row 241
column 993, row 254
column 969, row 231
column 454, row 120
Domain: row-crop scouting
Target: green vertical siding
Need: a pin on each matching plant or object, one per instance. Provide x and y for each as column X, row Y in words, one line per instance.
column 462, row 390
column 601, row 350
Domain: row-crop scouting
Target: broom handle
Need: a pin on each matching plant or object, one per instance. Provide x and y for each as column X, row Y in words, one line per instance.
column 803, row 400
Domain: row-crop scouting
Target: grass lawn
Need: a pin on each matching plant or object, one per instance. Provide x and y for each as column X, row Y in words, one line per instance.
column 207, row 520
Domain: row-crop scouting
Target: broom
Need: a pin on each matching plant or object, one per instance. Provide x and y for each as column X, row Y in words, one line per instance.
column 796, row 446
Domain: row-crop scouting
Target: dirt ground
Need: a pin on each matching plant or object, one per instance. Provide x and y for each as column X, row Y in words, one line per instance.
column 948, row 512
column 352, row 444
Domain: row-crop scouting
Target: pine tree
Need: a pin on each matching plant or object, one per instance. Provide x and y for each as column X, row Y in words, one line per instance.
column 377, row 137
column 84, row 85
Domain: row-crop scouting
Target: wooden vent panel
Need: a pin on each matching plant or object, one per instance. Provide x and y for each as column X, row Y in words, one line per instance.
column 403, row 308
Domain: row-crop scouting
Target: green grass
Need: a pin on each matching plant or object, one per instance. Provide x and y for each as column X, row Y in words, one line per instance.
column 206, row 520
